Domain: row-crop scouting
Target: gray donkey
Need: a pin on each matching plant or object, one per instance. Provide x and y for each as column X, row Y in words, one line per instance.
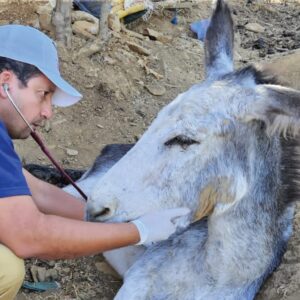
column 226, row 149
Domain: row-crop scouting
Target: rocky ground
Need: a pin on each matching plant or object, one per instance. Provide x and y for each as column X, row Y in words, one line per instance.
column 124, row 86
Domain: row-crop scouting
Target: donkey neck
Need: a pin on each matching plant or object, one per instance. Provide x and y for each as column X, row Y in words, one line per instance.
column 241, row 237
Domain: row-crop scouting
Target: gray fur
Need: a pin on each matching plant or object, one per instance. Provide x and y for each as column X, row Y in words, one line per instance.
column 227, row 143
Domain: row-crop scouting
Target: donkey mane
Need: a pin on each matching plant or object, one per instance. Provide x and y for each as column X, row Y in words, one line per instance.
column 260, row 76
column 252, row 72
column 290, row 166
column 290, row 145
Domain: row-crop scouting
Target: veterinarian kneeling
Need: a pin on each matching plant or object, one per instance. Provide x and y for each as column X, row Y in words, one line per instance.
column 38, row 219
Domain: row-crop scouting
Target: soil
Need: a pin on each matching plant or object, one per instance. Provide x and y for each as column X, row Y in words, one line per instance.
column 123, row 91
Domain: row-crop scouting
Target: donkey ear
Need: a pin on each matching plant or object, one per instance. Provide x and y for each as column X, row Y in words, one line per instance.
column 279, row 108
column 219, row 42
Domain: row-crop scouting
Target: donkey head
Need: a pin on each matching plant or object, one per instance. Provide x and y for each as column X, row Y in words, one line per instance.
column 209, row 147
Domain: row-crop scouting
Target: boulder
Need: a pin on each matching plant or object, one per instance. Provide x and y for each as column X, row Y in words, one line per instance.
column 286, row 68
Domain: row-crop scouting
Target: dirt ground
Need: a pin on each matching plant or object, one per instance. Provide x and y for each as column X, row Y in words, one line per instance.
column 123, row 91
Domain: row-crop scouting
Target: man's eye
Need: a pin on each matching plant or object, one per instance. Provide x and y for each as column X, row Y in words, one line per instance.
column 44, row 94
column 182, row 141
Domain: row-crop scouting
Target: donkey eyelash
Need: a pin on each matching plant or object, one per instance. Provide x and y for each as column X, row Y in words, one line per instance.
column 181, row 140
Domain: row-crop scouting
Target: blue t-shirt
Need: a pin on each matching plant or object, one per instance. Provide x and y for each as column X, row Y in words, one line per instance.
column 12, row 180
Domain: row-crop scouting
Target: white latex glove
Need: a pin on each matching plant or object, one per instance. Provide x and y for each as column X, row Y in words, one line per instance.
column 159, row 225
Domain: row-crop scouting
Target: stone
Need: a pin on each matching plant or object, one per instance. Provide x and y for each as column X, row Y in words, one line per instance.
column 106, row 269
column 85, row 29
column 260, row 43
column 255, row 27
column 88, row 50
column 286, row 68
column 33, row 271
column 109, row 60
column 44, row 13
column 71, row 152
column 47, row 126
column 114, row 23
column 51, row 275
column 155, row 89
column 38, row 273
column 79, row 15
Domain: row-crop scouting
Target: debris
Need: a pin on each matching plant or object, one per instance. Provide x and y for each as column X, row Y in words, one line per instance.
column 148, row 70
column 137, row 48
column 154, row 73
column 133, row 33
column 154, row 35
column 41, row 286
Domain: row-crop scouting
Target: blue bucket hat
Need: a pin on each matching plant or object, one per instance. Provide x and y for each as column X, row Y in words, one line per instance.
column 29, row 45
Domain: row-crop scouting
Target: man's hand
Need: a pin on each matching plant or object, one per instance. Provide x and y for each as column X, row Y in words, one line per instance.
column 157, row 226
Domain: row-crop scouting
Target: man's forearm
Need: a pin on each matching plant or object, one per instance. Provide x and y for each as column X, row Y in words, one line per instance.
column 30, row 233
column 63, row 238
column 54, row 201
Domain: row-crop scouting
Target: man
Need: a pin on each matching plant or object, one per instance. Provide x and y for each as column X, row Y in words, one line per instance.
column 36, row 218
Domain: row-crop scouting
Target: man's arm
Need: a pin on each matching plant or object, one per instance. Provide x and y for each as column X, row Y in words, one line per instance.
column 52, row 200
column 31, row 233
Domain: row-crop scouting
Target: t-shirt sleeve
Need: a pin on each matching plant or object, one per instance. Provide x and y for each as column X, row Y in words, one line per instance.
column 12, row 180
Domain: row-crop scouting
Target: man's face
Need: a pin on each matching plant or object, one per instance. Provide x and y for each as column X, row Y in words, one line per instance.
column 34, row 101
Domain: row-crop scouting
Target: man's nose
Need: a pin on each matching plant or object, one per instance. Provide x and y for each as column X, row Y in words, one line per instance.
column 47, row 111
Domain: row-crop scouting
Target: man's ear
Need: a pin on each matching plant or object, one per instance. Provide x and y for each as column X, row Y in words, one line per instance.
column 5, row 78
column 278, row 107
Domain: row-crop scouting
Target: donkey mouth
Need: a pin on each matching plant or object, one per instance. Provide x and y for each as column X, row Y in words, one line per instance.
column 106, row 215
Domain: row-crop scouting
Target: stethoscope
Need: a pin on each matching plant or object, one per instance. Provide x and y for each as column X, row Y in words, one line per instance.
column 6, row 90
column 39, row 141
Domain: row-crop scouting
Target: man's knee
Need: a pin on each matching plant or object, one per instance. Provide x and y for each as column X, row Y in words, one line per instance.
column 12, row 272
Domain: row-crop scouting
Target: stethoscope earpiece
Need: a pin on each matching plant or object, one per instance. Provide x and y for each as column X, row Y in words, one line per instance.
column 6, row 89
column 5, row 86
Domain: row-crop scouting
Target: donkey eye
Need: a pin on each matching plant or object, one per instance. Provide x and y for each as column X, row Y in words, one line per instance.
column 182, row 141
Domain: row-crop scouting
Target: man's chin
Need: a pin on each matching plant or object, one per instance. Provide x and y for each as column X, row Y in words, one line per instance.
column 21, row 135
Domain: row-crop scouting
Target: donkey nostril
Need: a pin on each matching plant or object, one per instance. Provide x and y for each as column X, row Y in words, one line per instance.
column 99, row 212
column 102, row 213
